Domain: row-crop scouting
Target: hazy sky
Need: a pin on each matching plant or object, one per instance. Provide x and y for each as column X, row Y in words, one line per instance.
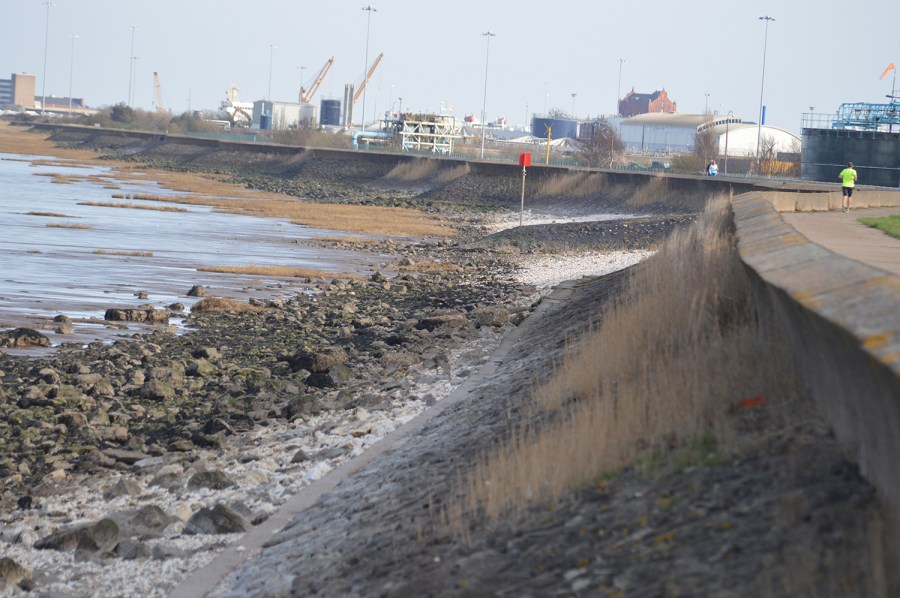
column 818, row 54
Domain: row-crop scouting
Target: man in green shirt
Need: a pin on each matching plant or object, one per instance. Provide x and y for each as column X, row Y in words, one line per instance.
column 848, row 180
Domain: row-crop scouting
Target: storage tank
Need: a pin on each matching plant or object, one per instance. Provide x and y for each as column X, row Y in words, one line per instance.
column 331, row 112
column 561, row 127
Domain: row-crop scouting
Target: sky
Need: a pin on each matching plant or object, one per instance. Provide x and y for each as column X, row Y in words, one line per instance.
column 706, row 55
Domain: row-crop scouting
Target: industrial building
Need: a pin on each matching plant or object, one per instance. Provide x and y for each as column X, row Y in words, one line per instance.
column 665, row 133
column 17, row 91
column 283, row 115
column 634, row 104
column 866, row 134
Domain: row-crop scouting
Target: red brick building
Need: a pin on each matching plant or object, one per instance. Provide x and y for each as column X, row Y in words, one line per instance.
column 644, row 103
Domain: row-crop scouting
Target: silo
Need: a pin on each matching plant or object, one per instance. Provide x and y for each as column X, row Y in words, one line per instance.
column 331, row 112
column 561, row 127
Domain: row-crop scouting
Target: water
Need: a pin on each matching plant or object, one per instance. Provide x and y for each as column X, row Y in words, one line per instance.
column 45, row 271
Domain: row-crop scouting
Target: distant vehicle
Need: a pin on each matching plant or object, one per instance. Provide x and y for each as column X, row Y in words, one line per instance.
column 656, row 165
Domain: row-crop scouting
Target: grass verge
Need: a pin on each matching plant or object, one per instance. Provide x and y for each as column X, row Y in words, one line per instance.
column 133, row 206
column 887, row 224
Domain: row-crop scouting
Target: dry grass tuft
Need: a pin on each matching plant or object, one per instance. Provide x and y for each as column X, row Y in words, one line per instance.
column 125, row 253
column 224, row 304
column 667, row 365
column 49, row 214
column 132, row 206
column 656, row 190
column 575, row 184
column 284, row 271
column 68, row 225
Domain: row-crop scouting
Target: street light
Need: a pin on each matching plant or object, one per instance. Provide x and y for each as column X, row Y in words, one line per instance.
column 487, row 56
column 766, row 18
column 271, row 55
column 727, row 123
column 71, row 71
column 573, row 103
column 131, row 64
column 619, row 88
column 44, row 76
column 706, row 105
column 369, row 10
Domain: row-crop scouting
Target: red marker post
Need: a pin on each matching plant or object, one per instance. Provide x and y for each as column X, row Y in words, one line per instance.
column 524, row 162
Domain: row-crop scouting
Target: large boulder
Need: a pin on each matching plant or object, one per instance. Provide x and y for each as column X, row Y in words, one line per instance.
column 19, row 338
column 221, row 519
column 318, row 362
column 450, row 320
column 493, row 315
column 147, row 315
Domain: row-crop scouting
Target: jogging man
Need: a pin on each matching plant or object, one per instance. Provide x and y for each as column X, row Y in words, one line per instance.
column 848, row 180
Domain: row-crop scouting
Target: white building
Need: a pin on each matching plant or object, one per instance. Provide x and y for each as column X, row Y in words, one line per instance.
column 664, row 132
column 283, row 115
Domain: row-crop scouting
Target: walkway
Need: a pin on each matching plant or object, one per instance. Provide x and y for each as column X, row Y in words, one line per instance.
column 844, row 234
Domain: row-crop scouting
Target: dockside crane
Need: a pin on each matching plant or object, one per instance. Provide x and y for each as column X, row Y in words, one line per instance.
column 362, row 85
column 306, row 96
column 157, row 90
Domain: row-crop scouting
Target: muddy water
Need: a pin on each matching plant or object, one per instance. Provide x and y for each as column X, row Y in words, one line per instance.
column 46, row 271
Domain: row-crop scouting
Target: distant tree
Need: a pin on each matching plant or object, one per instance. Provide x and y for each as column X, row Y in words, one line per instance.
column 706, row 143
column 604, row 146
column 121, row 113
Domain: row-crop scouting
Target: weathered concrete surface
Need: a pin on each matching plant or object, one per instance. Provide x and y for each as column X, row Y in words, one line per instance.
column 843, row 318
column 829, row 198
column 844, row 234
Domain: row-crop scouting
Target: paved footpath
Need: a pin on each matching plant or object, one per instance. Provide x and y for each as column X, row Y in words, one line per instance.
column 844, row 234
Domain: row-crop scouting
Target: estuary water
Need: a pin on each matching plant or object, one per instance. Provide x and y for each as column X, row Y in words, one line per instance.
column 50, row 267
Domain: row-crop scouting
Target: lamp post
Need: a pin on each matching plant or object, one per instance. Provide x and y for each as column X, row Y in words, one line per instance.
column 487, row 57
column 619, row 88
column 727, row 123
column 766, row 18
column 46, row 41
column 369, row 10
column 271, row 55
column 573, row 103
column 131, row 64
column 71, row 71
column 706, row 104
column 302, row 68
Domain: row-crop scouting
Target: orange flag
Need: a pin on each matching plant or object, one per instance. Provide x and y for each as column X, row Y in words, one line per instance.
column 889, row 68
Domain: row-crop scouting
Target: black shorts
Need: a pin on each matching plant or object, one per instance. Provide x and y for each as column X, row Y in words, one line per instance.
column 848, row 191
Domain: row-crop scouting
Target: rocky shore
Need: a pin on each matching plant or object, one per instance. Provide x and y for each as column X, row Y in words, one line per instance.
column 125, row 467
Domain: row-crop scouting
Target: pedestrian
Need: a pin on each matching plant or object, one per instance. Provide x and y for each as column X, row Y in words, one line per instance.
column 712, row 169
column 848, row 178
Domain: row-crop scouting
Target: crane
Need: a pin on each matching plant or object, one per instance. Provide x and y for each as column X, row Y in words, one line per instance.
column 157, row 89
column 362, row 85
column 306, row 96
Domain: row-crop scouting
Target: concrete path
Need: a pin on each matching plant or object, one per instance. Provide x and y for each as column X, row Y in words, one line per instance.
column 844, row 234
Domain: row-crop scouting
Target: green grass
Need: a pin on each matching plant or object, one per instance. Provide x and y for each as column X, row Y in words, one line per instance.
column 888, row 224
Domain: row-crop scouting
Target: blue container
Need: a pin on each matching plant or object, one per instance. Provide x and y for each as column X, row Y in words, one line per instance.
column 331, row 112
column 561, row 127
column 265, row 122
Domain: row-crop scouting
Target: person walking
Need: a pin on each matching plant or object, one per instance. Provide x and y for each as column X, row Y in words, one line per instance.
column 848, row 178
column 712, row 169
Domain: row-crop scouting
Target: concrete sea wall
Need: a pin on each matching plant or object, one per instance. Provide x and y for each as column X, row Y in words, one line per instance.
column 843, row 321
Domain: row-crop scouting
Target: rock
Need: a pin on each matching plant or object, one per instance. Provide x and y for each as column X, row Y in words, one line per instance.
column 98, row 540
column 300, row 456
column 149, row 521
column 337, row 375
column 378, row 277
column 123, row 487
column 157, row 390
column 432, row 323
column 221, row 519
column 145, row 315
column 141, row 294
column 494, row 315
column 179, row 307
column 206, row 353
column 125, row 456
column 318, row 361
column 298, row 406
column 13, row 571
column 130, row 550
column 214, row 479
column 23, row 337
column 200, row 368
column 198, row 290
column 62, row 319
